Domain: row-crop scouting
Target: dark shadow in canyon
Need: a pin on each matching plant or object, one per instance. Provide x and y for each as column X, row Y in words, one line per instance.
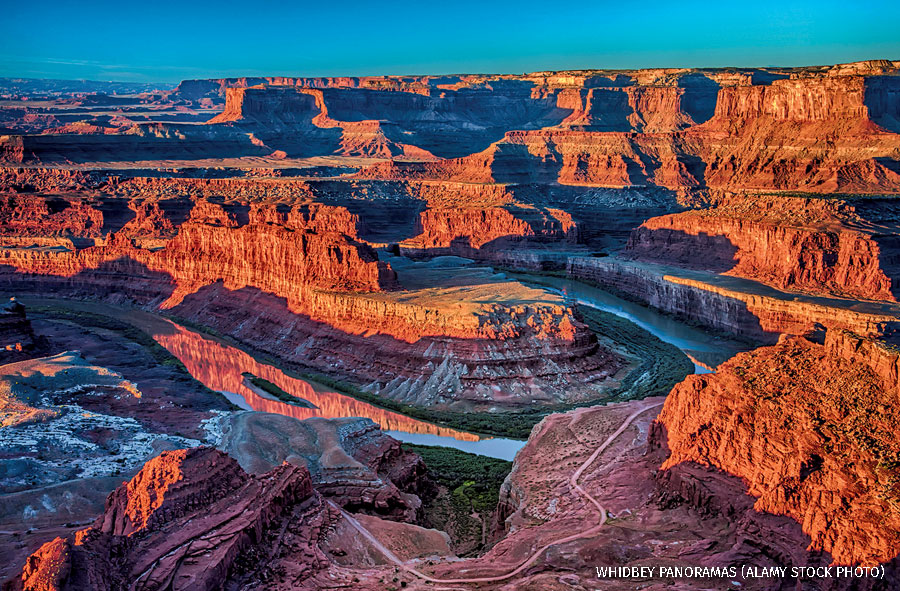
column 702, row 251
column 776, row 538
column 889, row 260
column 764, row 78
column 695, row 166
column 81, row 148
column 882, row 99
column 453, row 123
column 889, row 163
column 610, row 110
column 239, row 213
column 385, row 222
column 514, row 164
column 884, row 214
column 121, row 280
column 700, row 96
column 177, row 210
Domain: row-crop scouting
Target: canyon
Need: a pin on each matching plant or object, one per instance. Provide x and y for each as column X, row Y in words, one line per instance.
column 240, row 304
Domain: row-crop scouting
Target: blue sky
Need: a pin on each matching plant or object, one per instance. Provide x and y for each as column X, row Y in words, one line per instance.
column 164, row 41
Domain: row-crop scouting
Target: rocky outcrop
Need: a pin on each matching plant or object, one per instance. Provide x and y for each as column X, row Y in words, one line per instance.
column 812, row 129
column 467, row 231
column 586, row 158
column 62, row 418
column 646, row 522
column 306, row 273
column 17, row 338
column 812, row 245
column 828, row 118
column 190, row 519
column 217, row 243
column 810, row 429
column 271, row 105
column 635, row 135
column 730, row 304
column 220, row 367
column 350, row 460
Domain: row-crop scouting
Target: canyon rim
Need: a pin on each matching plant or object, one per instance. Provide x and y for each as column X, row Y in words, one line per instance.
column 294, row 328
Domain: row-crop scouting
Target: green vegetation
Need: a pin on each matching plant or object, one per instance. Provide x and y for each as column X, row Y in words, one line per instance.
column 273, row 389
column 469, row 492
column 662, row 365
column 749, row 343
column 512, row 424
column 129, row 332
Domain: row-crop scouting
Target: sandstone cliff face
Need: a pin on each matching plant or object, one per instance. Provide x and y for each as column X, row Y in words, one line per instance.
column 213, row 245
column 583, row 158
column 799, row 244
column 17, row 338
column 810, row 430
column 634, row 135
column 246, row 267
column 223, row 368
column 812, row 133
column 743, row 308
column 190, row 519
column 811, row 129
column 273, row 105
column 477, row 227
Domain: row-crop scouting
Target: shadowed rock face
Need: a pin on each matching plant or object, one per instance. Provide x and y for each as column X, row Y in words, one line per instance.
column 820, row 129
column 351, row 461
column 829, row 247
column 302, row 263
column 811, row 430
column 686, row 515
column 185, row 521
column 62, row 418
column 785, row 456
column 17, row 338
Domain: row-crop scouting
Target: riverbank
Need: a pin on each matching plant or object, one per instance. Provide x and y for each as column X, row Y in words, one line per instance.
column 706, row 348
column 635, row 342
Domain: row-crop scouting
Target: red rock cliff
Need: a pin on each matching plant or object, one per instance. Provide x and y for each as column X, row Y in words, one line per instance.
column 813, row 245
column 185, row 521
column 811, row 429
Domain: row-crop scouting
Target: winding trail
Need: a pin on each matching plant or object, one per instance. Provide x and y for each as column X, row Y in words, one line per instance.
column 573, row 482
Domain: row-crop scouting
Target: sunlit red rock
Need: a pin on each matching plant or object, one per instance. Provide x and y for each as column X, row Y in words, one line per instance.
column 184, row 521
column 811, row 431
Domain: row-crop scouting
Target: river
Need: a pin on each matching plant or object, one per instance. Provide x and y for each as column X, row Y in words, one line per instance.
column 706, row 351
column 221, row 366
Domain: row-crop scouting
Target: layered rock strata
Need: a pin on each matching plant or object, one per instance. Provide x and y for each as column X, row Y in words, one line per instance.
column 818, row 129
column 650, row 520
column 732, row 305
column 350, row 460
column 832, row 247
column 17, row 338
column 190, row 519
column 842, row 120
column 243, row 268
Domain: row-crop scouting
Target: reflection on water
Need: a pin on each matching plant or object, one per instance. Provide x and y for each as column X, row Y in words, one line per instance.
column 220, row 367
